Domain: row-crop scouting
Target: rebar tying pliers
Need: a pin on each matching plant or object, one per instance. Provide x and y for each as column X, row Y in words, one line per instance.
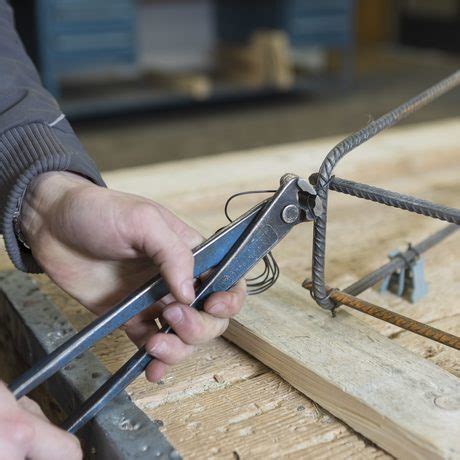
column 228, row 255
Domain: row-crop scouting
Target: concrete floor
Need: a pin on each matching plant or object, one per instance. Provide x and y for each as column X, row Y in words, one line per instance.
column 385, row 78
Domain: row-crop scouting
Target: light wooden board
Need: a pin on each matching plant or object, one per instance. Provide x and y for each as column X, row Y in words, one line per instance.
column 402, row 402
column 262, row 417
column 420, row 159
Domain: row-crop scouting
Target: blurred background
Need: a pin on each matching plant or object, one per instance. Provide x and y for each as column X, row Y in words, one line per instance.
column 146, row 81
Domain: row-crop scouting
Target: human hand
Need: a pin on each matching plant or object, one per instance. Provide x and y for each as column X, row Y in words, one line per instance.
column 99, row 245
column 26, row 433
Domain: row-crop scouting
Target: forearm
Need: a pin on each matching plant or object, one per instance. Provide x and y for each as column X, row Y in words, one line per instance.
column 34, row 135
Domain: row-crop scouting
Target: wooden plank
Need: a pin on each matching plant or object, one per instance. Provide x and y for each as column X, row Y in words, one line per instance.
column 403, row 403
column 261, row 418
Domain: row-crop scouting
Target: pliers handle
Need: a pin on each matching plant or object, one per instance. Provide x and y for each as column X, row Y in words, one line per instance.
column 231, row 253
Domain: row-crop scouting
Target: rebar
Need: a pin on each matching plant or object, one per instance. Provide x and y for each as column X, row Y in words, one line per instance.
column 390, row 317
column 337, row 153
column 396, row 200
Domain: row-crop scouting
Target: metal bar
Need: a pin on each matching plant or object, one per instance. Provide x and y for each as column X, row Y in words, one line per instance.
column 337, row 153
column 390, row 317
column 399, row 263
column 396, row 200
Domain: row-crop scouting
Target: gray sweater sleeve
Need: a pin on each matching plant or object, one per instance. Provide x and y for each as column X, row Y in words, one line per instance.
column 35, row 137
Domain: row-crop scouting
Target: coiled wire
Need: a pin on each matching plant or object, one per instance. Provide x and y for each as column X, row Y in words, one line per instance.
column 270, row 273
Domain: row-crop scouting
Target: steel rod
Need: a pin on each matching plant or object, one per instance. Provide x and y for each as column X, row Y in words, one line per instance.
column 396, row 200
column 398, row 263
column 390, row 317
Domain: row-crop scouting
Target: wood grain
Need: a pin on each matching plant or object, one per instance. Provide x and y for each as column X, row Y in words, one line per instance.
column 400, row 401
column 263, row 417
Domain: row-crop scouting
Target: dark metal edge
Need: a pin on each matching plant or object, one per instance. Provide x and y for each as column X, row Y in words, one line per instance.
column 121, row 430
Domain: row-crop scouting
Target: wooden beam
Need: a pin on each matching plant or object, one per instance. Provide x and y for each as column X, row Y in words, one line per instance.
column 400, row 401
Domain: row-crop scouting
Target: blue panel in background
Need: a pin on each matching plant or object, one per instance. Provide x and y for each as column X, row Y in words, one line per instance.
column 81, row 34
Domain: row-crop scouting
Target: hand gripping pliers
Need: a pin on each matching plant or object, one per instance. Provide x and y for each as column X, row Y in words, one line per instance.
column 224, row 258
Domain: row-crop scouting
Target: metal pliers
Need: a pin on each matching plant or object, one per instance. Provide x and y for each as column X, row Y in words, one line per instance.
column 228, row 255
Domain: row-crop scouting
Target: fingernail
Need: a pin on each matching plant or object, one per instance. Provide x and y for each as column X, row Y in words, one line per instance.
column 217, row 308
column 173, row 315
column 188, row 291
column 158, row 349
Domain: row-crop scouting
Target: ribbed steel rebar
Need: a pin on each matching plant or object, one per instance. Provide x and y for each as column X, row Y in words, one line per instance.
column 396, row 200
column 388, row 316
column 337, row 153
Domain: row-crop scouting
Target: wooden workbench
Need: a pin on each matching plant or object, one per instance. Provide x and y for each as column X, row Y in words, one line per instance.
column 222, row 403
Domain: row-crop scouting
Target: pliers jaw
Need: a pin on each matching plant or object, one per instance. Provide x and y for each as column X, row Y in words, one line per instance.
column 305, row 204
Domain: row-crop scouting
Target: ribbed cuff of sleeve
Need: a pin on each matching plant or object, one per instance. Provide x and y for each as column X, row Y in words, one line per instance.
column 25, row 152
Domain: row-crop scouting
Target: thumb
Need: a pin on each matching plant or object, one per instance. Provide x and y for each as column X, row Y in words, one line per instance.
column 173, row 257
